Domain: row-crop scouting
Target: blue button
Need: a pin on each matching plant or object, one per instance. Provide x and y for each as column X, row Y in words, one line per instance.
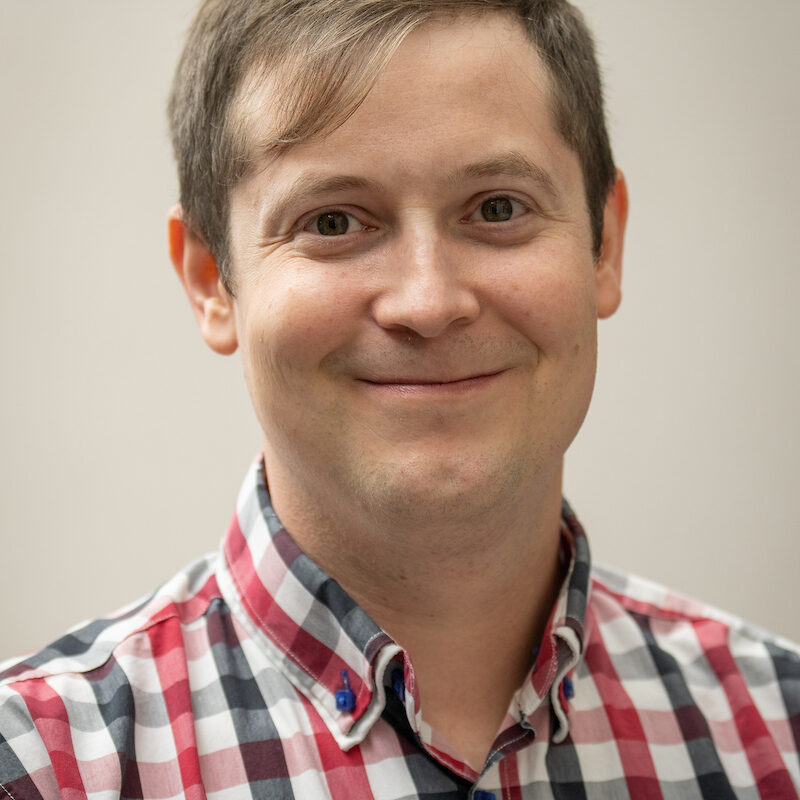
column 569, row 688
column 345, row 700
column 345, row 697
column 479, row 794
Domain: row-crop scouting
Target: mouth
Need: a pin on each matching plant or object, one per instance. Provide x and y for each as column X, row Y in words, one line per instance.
column 408, row 385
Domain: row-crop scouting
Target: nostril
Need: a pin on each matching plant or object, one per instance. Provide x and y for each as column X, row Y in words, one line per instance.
column 426, row 316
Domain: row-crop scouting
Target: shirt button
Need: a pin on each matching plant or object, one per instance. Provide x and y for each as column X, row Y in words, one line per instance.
column 479, row 794
column 345, row 697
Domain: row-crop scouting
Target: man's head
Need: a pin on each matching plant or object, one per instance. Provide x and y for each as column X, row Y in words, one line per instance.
column 311, row 63
column 417, row 287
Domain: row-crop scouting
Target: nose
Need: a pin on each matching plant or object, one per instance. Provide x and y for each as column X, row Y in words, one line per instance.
column 427, row 290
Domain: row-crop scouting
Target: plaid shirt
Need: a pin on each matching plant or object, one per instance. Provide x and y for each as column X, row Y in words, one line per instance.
column 253, row 674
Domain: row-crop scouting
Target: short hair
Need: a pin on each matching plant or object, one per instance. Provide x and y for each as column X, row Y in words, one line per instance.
column 321, row 58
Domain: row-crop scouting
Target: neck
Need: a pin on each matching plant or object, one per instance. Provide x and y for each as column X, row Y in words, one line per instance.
column 472, row 589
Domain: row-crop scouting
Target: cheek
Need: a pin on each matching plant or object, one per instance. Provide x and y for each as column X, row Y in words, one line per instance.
column 287, row 328
column 553, row 304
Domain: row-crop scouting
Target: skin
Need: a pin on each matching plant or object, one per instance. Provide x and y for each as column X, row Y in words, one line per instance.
column 419, row 377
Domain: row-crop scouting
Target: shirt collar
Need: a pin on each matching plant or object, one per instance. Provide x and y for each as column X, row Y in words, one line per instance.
column 312, row 630
column 563, row 641
column 307, row 625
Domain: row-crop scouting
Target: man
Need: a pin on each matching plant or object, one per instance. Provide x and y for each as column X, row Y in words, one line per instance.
column 407, row 219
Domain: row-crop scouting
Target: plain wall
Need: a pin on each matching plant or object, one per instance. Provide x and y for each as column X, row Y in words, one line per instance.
column 124, row 439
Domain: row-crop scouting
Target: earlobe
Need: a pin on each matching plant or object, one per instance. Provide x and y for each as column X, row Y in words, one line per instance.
column 196, row 268
column 608, row 275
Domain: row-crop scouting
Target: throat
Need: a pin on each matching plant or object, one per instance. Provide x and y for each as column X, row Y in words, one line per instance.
column 473, row 650
column 468, row 727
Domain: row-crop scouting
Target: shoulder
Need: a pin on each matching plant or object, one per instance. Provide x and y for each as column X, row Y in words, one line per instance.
column 712, row 652
column 76, row 697
column 663, row 609
column 89, row 645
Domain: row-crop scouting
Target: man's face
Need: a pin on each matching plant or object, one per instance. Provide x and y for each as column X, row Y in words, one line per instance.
column 416, row 294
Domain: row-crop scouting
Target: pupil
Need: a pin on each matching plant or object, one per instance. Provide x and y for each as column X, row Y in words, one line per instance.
column 497, row 209
column 334, row 223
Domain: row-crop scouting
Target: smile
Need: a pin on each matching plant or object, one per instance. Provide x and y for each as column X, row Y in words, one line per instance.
column 434, row 387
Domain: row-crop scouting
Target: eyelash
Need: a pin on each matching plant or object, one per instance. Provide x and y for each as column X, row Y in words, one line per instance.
column 308, row 223
column 516, row 202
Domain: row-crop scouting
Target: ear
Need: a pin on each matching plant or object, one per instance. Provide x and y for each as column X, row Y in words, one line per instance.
column 197, row 271
column 608, row 270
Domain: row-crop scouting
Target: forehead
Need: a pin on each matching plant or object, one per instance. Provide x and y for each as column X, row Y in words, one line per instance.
column 278, row 108
column 457, row 101
column 458, row 110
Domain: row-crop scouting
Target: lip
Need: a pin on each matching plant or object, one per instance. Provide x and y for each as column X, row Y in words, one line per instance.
column 432, row 386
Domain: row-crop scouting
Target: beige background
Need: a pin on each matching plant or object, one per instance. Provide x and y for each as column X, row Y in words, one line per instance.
column 124, row 440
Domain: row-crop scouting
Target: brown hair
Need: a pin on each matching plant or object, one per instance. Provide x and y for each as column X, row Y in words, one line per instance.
column 321, row 58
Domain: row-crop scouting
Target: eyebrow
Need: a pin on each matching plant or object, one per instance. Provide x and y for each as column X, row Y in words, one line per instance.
column 311, row 185
column 513, row 164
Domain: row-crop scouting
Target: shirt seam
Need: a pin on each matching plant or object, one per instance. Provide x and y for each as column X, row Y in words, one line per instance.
column 23, row 678
column 497, row 750
column 2, row 786
column 269, row 631
column 730, row 623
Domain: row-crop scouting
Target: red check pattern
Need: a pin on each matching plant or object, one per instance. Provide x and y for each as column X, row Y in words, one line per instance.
column 223, row 684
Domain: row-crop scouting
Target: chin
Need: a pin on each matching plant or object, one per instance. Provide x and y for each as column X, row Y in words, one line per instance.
column 426, row 487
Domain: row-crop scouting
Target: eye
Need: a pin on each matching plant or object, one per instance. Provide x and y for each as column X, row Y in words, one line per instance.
column 498, row 209
column 335, row 223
